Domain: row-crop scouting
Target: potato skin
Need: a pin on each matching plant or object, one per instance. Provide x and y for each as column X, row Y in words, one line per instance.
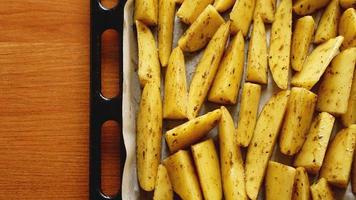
column 207, row 164
column 241, row 16
column 163, row 188
column 190, row 10
column 148, row 136
column 312, row 154
column 223, row 5
column 301, row 185
column 306, row 7
column 335, row 88
column 349, row 117
column 321, row 190
column 266, row 9
column 347, row 3
column 146, row 11
column 347, row 28
column 181, row 172
column 328, row 25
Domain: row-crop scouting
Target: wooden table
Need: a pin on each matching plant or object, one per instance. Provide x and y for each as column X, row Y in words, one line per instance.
column 44, row 92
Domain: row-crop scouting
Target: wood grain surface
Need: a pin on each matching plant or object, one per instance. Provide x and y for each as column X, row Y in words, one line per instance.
column 44, row 96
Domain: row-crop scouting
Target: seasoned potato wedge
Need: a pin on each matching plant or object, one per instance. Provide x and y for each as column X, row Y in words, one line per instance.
column 347, row 28
column 149, row 136
column 163, row 188
column 146, row 11
column 279, row 181
column 301, row 185
column 299, row 115
column 205, row 70
column 175, row 90
column 241, row 16
column 262, row 144
column 305, row 7
column 338, row 160
column 226, row 84
column 350, row 116
column 266, row 9
column 347, row 3
column 232, row 168
column 302, row 37
column 321, row 190
column 181, row 172
column 190, row 10
column 207, row 164
column 328, row 23
column 311, row 156
column 335, row 88
column 192, row 131
column 316, row 63
column 257, row 53
column 250, row 100
column 223, row 5
column 280, row 45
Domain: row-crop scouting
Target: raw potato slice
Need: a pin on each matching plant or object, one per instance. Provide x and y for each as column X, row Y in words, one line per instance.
column 257, row 53
column 248, row 113
column 301, row 185
column 347, row 28
column 192, row 131
column 223, row 5
column 347, row 3
column 305, row 7
column 181, row 172
column 207, row 164
column 311, row 156
column 191, row 9
column 262, row 144
column 279, row 181
column 231, row 161
column 165, row 29
column 163, row 188
column 146, row 11
column 298, row 118
column 280, row 45
column 206, row 69
column 149, row 136
column 338, row 160
column 226, row 84
column 241, row 16
column 316, row 63
column 149, row 69
column 328, row 23
column 302, row 37
column 200, row 32
column 266, row 9
column 175, row 94
column 350, row 116
column 321, row 190
column 335, row 88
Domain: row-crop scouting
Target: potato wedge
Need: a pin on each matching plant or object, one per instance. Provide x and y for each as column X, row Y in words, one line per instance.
column 175, row 90
column 179, row 1
column 223, row 5
column 200, row 32
column 347, row 28
column 298, row 118
column 301, row 185
column 205, row 71
column 280, row 44
column 338, row 160
column 226, row 84
column 262, row 143
column 321, row 190
column 231, row 161
column 350, row 116
column 353, row 174
column 207, row 164
column 316, row 63
column 348, row 3
column 192, row 131
column 250, row 101
column 306, row 7
column 165, row 29
column 241, row 16
column 149, row 69
column 302, row 37
column 266, row 9
column 149, row 136
column 146, row 11
column 190, row 10
column 257, row 54
column 181, row 172
column 311, row 156
column 279, row 181
column 163, row 188
column 335, row 88
column 328, row 23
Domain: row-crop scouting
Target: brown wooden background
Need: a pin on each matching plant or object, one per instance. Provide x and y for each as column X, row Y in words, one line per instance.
column 44, row 92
